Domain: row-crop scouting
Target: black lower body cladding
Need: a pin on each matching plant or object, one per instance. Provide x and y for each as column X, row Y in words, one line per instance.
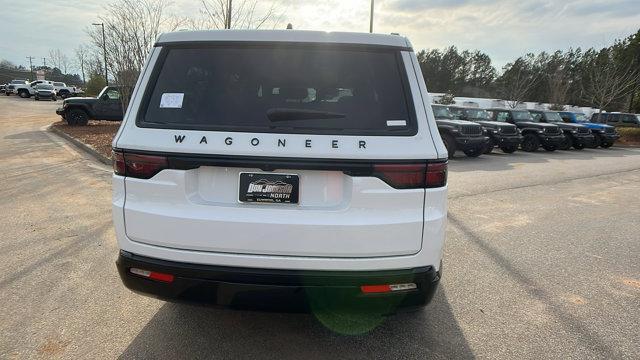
column 277, row 290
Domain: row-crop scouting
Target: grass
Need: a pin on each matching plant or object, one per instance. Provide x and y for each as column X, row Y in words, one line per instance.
column 629, row 136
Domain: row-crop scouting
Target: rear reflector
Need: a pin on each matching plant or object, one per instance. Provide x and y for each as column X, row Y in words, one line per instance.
column 138, row 166
column 412, row 176
column 152, row 275
column 376, row 289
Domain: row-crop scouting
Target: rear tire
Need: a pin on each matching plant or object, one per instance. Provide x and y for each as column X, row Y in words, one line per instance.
column 450, row 144
column 578, row 146
column 549, row 147
column 77, row 117
column 509, row 149
column 606, row 145
column 530, row 143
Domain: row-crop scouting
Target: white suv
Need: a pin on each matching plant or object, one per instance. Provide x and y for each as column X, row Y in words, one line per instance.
column 257, row 167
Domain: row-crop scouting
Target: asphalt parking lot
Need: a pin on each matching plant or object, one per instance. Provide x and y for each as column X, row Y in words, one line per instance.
column 541, row 262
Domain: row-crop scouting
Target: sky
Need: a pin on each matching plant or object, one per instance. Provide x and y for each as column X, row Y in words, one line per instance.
column 504, row 29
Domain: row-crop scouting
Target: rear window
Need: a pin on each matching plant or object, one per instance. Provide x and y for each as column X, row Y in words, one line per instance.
column 282, row 89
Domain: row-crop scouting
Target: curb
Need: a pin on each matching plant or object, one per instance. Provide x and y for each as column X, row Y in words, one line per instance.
column 625, row 146
column 80, row 145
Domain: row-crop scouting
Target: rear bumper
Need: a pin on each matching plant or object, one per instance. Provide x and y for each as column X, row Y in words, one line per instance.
column 276, row 289
column 471, row 142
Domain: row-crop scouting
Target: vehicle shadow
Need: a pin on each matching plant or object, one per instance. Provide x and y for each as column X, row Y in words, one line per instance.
column 189, row 331
column 499, row 161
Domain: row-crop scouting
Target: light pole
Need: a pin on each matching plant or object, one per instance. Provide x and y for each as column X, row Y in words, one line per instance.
column 229, row 14
column 31, row 66
column 371, row 17
column 104, row 49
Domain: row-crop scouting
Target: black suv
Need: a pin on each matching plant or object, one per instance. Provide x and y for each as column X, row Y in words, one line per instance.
column 106, row 106
column 575, row 135
column 505, row 136
column 459, row 134
column 617, row 119
column 534, row 133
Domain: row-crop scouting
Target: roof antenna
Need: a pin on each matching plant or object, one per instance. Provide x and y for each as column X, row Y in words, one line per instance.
column 289, row 27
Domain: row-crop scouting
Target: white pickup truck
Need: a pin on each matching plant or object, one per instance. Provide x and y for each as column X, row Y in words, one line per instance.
column 65, row 91
column 28, row 89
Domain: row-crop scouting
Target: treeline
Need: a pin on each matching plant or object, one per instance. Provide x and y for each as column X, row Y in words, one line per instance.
column 607, row 78
column 10, row 72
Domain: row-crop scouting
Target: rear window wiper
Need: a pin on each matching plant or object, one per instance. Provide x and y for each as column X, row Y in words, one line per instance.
column 287, row 114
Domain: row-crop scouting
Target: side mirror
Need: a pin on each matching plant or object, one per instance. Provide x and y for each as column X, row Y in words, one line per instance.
column 104, row 97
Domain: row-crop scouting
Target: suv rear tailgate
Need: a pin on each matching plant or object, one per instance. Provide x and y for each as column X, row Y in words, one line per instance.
column 338, row 215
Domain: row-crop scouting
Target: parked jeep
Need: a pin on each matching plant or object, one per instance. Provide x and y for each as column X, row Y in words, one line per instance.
column 575, row 135
column 459, row 134
column 106, row 106
column 534, row 133
column 505, row 136
column 616, row 119
column 605, row 135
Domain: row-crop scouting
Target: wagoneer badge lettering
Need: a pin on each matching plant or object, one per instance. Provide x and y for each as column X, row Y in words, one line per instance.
column 334, row 144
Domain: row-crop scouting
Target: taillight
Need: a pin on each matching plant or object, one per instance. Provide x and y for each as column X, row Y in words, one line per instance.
column 412, row 176
column 401, row 176
column 436, row 175
column 138, row 166
column 118, row 162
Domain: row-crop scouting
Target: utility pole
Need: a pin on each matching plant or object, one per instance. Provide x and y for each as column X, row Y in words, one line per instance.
column 31, row 65
column 44, row 62
column 229, row 5
column 371, row 17
column 104, row 50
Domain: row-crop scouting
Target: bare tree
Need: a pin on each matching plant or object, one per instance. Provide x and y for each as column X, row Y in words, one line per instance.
column 131, row 27
column 559, row 85
column 6, row 64
column 608, row 81
column 517, row 80
column 59, row 60
column 82, row 57
column 245, row 14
